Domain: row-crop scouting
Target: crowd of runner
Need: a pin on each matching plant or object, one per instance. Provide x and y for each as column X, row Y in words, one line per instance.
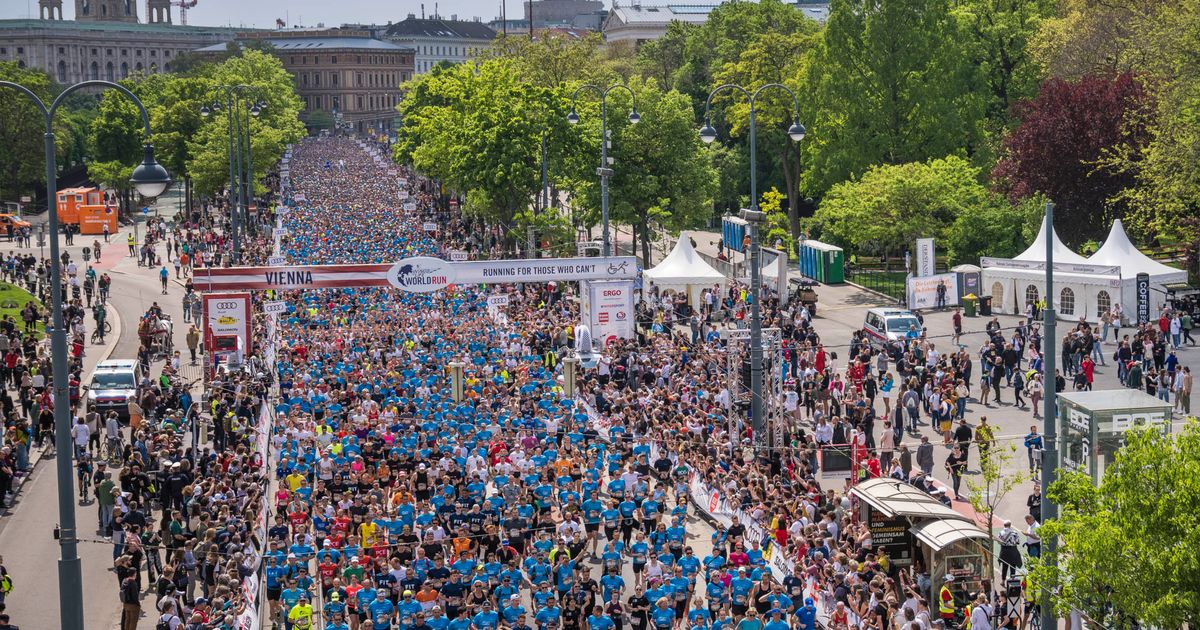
column 396, row 507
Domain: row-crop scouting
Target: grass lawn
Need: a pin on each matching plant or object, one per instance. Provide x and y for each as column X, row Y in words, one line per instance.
column 13, row 299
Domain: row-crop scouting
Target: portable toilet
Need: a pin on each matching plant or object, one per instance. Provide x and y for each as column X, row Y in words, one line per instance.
column 733, row 232
column 822, row 262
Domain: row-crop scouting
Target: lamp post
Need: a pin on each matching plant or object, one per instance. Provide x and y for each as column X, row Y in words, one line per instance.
column 241, row 172
column 151, row 180
column 604, row 171
column 754, row 218
column 456, row 380
column 1050, row 409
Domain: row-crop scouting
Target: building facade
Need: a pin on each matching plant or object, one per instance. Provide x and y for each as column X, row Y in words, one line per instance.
column 105, row 41
column 436, row 40
column 347, row 74
column 639, row 23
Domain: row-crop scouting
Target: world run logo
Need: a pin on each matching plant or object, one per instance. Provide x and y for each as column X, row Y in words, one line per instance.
column 421, row 274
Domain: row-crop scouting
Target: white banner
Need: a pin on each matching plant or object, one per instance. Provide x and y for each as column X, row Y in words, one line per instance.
column 610, row 310
column 410, row 206
column 275, row 261
column 923, row 292
column 457, row 255
column 227, row 323
column 430, row 226
column 420, row 274
column 926, row 258
column 497, row 300
column 275, row 308
column 1039, row 265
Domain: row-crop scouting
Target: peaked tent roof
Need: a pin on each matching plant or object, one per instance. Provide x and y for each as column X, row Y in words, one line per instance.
column 683, row 266
column 1037, row 251
column 1118, row 250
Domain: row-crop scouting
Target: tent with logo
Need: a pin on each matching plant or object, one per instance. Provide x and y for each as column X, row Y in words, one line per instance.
column 685, row 271
column 1084, row 287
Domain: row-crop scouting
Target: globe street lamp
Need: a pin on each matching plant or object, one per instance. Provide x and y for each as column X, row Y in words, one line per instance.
column 604, row 171
column 752, row 216
column 150, row 179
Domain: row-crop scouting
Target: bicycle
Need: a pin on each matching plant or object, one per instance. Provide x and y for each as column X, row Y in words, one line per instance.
column 114, row 451
column 83, row 474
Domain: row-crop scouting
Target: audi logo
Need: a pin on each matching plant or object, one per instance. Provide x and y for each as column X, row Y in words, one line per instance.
column 224, row 305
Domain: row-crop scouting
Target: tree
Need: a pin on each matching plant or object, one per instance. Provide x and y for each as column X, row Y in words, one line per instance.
column 278, row 124
column 891, row 84
column 999, row 43
column 992, row 485
column 1129, row 549
column 997, row 228
column 661, row 171
column 552, row 58
column 660, row 59
column 1060, row 145
column 479, row 131
column 773, row 57
column 21, row 166
column 890, row 206
column 117, row 138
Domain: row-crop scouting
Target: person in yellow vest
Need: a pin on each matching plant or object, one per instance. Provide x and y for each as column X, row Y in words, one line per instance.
column 132, row 245
column 946, row 599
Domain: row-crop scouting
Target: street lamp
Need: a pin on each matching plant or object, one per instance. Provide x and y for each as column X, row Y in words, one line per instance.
column 754, row 218
column 604, row 171
column 241, row 171
column 150, row 179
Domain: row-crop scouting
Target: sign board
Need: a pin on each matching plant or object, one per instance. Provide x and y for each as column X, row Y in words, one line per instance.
column 458, row 255
column 420, row 274
column 279, row 232
column 1142, row 291
column 275, row 261
column 610, row 310
column 714, row 501
column 497, row 300
column 26, row 199
column 892, row 535
column 402, row 194
column 926, row 258
column 227, row 324
column 410, row 206
column 923, row 292
column 430, row 226
column 275, row 308
column 403, row 181
column 1035, row 265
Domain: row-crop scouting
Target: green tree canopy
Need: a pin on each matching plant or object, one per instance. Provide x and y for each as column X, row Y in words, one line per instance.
column 1130, row 548
column 889, row 207
column 21, row 129
column 892, row 85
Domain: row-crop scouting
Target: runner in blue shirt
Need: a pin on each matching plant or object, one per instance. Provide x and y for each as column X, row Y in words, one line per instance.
column 380, row 612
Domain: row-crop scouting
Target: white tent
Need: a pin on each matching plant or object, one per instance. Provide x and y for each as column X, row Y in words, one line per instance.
column 1117, row 250
column 1084, row 288
column 684, row 270
column 1037, row 251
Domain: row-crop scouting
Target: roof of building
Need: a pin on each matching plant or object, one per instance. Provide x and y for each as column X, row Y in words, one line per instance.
column 417, row 27
column 119, row 27
column 648, row 15
column 319, row 43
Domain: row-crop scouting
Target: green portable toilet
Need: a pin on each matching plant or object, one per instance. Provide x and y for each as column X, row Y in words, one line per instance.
column 828, row 264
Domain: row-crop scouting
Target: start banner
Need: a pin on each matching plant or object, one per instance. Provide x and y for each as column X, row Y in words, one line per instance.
column 420, row 274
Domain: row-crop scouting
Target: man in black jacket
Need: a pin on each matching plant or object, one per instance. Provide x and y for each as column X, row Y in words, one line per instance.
column 131, row 604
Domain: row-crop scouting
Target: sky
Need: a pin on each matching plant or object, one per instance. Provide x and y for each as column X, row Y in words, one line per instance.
column 262, row 13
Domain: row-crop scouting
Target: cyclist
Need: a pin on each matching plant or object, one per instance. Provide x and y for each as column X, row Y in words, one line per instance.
column 83, row 472
column 112, row 434
column 99, row 313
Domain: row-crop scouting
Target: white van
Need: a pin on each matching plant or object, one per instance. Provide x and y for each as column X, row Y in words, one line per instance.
column 113, row 384
column 885, row 326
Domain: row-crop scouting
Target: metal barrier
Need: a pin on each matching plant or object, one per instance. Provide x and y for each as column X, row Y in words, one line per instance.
column 885, row 281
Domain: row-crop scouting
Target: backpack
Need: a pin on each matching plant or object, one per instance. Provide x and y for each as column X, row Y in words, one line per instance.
column 164, row 622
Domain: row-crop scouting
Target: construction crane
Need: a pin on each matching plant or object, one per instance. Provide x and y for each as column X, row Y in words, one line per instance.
column 183, row 5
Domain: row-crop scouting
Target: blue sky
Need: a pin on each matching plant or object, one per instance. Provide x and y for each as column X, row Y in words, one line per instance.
column 262, row 13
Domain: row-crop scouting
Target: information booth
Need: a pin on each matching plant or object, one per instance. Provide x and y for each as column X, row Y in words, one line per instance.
column 1093, row 424
column 914, row 528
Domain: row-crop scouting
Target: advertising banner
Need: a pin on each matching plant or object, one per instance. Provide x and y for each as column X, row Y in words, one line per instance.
column 1142, row 290
column 420, row 274
column 610, row 310
column 457, row 255
column 926, row 258
column 227, row 323
column 923, row 292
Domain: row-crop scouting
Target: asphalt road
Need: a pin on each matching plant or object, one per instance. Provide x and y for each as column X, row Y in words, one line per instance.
column 26, row 541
